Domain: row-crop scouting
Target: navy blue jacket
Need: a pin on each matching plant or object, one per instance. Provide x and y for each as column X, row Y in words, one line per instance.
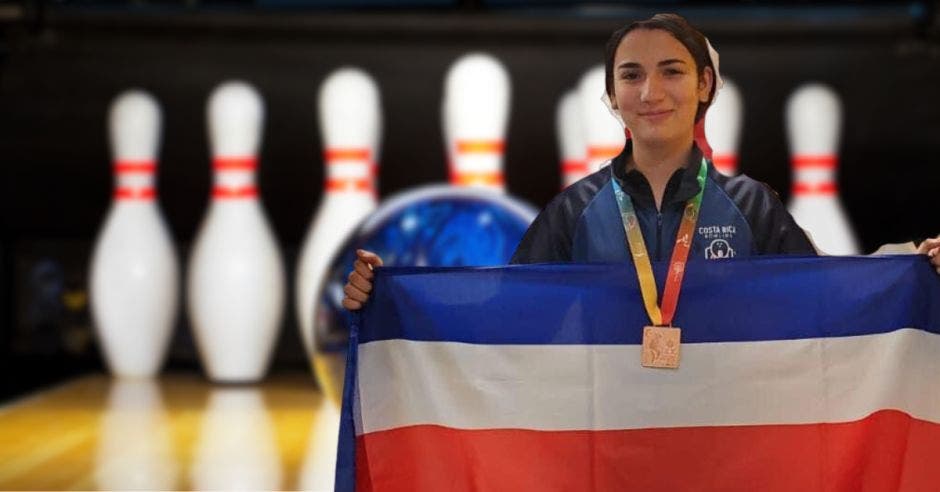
column 739, row 217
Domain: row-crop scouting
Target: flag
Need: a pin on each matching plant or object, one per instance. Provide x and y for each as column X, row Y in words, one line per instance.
column 808, row 374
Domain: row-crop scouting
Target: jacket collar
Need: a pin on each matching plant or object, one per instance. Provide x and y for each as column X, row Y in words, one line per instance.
column 682, row 186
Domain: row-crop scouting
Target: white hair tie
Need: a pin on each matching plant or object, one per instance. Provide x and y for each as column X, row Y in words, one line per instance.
column 713, row 54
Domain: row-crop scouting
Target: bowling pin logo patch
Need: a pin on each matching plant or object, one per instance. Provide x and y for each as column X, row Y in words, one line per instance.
column 719, row 248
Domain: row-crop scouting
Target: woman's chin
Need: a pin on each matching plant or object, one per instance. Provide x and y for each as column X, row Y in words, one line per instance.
column 652, row 137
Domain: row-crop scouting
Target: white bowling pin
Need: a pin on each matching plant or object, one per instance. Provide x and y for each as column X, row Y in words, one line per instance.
column 135, row 447
column 814, row 121
column 236, row 447
column 134, row 270
column 603, row 134
column 569, row 127
column 476, row 111
column 236, row 278
column 723, row 127
column 350, row 124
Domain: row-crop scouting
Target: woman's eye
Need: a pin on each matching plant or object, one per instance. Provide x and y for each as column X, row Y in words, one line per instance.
column 629, row 75
column 673, row 71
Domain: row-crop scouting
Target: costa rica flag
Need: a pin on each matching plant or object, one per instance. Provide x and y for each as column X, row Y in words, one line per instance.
column 809, row 374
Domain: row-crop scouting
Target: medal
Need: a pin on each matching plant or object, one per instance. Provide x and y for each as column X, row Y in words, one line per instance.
column 661, row 341
column 661, row 346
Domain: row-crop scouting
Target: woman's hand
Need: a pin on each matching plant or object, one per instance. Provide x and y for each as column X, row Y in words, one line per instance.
column 931, row 248
column 359, row 286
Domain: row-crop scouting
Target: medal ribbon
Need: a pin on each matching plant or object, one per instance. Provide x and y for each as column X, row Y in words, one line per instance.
column 680, row 252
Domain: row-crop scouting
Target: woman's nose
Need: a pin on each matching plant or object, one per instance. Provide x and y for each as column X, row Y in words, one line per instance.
column 651, row 90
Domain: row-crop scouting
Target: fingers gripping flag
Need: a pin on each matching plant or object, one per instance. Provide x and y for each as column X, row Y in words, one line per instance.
column 810, row 374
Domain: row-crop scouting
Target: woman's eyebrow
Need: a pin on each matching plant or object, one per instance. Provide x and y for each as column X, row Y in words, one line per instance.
column 670, row 61
column 628, row 65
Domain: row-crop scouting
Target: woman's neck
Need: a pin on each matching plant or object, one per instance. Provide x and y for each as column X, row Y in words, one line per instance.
column 658, row 164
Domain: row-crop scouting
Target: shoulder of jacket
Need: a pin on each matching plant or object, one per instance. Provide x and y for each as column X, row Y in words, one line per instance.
column 582, row 192
column 743, row 187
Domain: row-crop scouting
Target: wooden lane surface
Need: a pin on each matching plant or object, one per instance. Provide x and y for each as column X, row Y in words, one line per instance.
column 176, row 432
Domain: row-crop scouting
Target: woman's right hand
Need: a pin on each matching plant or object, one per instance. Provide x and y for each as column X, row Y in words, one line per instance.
column 359, row 285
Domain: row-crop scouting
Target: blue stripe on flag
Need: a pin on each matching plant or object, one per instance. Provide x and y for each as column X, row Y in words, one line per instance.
column 749, row 299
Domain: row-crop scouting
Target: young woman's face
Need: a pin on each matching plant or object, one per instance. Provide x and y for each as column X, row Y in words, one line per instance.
column 657, row 88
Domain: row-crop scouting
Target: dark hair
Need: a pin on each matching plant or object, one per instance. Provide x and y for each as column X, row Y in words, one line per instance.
column 674, row 24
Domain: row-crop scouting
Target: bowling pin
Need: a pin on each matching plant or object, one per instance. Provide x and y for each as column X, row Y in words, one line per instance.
column 236, row 278
column 568, row 125
column 723, row 127
column 134, row 270
column 135, row 448
column 814, row 121
column 350, row 124
column 236, row 447
column 475, row 111
column 603, row 135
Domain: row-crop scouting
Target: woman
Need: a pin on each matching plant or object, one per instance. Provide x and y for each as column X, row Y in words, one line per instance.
column 661, row 76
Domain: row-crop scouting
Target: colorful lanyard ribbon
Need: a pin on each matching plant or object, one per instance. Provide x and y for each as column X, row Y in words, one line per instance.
column 680, row 252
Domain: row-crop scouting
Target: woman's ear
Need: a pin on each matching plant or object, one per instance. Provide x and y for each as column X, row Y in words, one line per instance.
column 705, row 83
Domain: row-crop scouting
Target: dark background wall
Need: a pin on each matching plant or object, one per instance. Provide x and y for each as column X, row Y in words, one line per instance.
column 62, row 65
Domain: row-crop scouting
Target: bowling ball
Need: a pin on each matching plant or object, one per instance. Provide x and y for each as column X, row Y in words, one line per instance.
column 437, row 225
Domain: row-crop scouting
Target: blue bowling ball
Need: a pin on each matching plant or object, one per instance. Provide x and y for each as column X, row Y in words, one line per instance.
column 436, row 225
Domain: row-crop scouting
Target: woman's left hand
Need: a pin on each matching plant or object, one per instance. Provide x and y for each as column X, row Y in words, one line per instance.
column 931, row 248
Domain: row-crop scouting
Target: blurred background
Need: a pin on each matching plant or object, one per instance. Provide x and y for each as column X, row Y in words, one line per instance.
column 62, row 62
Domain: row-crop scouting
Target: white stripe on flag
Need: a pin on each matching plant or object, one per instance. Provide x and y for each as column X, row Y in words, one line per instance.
column 603, row 387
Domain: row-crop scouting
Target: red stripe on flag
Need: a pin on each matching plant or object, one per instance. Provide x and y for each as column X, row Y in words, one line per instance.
column 886, row 451
column 814, row 189
column 234, row 193
column 803, row 161
column 235, row 163
column 122, row 167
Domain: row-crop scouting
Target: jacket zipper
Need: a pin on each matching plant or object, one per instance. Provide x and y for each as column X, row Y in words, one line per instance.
column 659, row 235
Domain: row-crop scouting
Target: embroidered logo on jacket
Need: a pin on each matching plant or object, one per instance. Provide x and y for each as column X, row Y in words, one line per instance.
column 721, row 237
column 719, row 248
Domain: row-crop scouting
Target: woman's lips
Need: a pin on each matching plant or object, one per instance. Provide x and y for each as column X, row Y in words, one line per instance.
column 656, row 115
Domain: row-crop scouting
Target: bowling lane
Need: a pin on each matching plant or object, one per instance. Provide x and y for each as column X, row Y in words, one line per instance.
column 175, row 432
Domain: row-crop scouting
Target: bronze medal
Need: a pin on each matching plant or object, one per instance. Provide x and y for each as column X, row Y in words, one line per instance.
column 661, row 347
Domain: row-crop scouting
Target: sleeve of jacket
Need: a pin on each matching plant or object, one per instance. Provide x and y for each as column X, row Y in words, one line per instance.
column 548, row 239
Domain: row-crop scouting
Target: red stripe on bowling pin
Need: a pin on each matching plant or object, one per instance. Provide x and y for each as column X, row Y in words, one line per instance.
column 349, row 184
column 125, row 193
column 804, row 161
column 574, row 166
column 351, row 154
column 124, row 167
column 480, row 146
column 725, row 163
column 480, row 178
column 470, row 178
column 228, row 164
column 598, row 152
column 234, row 193
column 144, row 193
column 235, row 164
column 810, row 162
column 826, row 188
column 336, row 156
